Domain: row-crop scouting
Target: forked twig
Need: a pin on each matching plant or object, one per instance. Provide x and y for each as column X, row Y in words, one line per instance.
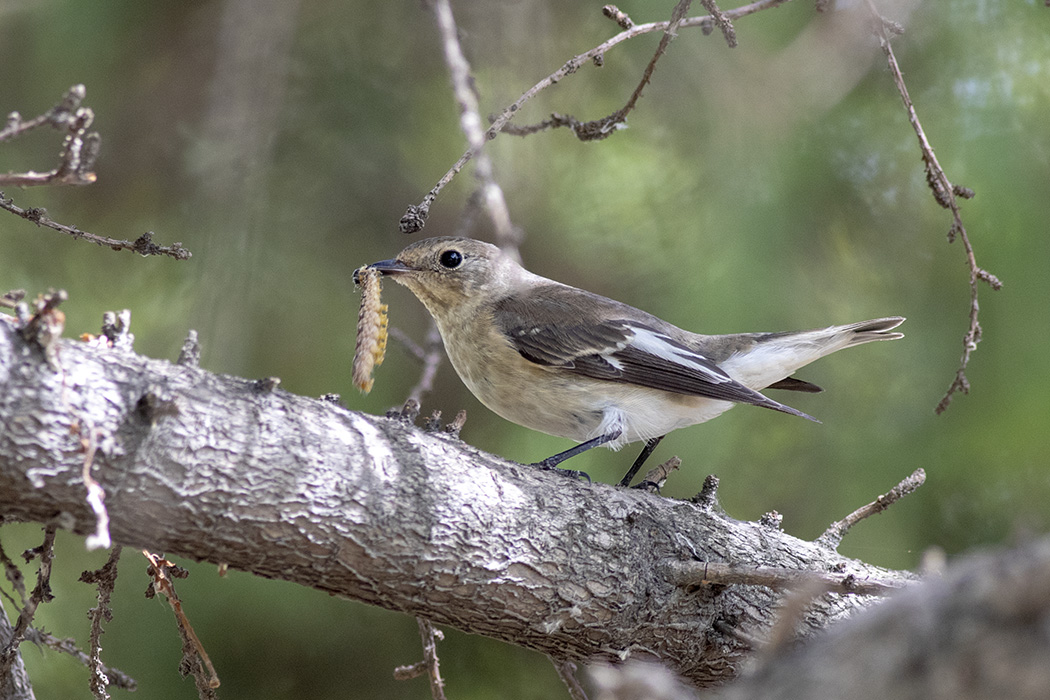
column 415, row 217
column 429, row 665
column 79, row 149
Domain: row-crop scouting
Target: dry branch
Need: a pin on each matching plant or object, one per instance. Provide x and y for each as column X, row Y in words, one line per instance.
column 143, row 245
column 77, row 157
column 415, row 217
column 946, row 194
column 215, row 468
column 79, row 148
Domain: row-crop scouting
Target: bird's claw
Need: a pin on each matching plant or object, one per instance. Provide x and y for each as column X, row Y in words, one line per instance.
column 571, row 473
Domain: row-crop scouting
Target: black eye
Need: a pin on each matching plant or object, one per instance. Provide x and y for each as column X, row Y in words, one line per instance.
column 451, row 258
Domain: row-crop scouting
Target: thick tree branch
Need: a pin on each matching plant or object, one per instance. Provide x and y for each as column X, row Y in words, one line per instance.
column 979, row 632
column 230, row 471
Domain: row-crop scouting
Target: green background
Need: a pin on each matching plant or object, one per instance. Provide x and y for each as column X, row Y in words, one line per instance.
column 773, row 186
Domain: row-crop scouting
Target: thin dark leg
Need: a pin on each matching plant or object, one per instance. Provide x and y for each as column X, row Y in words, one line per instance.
column 650, row 445
column 553, row 461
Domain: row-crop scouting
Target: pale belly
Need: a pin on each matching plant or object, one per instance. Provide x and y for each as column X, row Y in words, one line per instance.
column 581, row 408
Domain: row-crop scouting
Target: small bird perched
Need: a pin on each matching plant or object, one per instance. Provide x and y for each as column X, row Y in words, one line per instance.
column 578, row 365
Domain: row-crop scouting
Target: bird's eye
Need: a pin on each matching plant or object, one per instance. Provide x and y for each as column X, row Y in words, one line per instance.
column 451, row 259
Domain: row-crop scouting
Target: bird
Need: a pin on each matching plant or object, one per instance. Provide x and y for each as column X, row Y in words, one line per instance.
column 575, row 364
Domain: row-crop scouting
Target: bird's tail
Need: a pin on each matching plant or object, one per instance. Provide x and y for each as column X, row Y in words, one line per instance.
column 774, row 357
column 867, row 331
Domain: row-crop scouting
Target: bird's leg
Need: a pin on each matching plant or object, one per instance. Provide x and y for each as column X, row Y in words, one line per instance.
column 650, row 445
column 553, row 461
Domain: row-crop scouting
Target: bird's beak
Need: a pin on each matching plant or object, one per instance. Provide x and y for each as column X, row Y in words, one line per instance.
column 392, row 267
column 388, row 267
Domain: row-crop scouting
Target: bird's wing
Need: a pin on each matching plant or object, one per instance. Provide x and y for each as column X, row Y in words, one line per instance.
column 592, row 336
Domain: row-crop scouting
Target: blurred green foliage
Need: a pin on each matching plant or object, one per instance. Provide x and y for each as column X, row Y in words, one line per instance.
column 774, row 186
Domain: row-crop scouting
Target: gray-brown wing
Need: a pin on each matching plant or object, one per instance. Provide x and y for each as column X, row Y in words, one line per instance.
column 596, row 337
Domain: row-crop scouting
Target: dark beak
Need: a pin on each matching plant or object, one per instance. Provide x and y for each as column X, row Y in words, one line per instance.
column 388, row 267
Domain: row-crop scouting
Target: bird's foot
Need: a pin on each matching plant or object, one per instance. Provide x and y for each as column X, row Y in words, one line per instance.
column 571, row 473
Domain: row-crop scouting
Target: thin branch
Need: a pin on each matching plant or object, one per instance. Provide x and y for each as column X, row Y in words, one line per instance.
column 567, row 669
column 613, row 121
column 14, row 575
column 105, row 579
column 946, row 195
column 699, row 573
column 75, row 167
column 415, row 218
column 194, row 659
column 430, row 638
column 143, row 245
column 41, row 594
column 79, row 149
column 495, row 204
column 837, row 530
column 429, row 665
column 722, row 20
column 117, row 678
column 430, row 355
column 619, row 16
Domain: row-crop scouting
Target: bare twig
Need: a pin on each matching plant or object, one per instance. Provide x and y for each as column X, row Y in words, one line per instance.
column 405, row 673
column 837, row 530
column 79, row 149
column 430, row 639
column 14, row 575
column 722, row 20
column 619, row 16
column 190, row 354
column 143, row 245
column 194, row 659
column 10, row 298
column 699, row 573
column 431, row 354
column 429, row 665
column 656, row 477
column 615, row 120
column 495, row 204
column 41, row 594
column 456, row 424
column 567, row 669
column 106, row 580
column 117, row 678
column 946, row 195
column 415, row 218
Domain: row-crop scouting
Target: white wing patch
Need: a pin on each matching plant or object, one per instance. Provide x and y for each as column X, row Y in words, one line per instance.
column 663, row 347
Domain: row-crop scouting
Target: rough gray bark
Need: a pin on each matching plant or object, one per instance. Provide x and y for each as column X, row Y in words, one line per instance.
column 14, row 684
column 232, row 471
column 982, row 631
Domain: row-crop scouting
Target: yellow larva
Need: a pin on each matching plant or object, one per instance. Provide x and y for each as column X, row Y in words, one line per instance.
column 371, row 329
